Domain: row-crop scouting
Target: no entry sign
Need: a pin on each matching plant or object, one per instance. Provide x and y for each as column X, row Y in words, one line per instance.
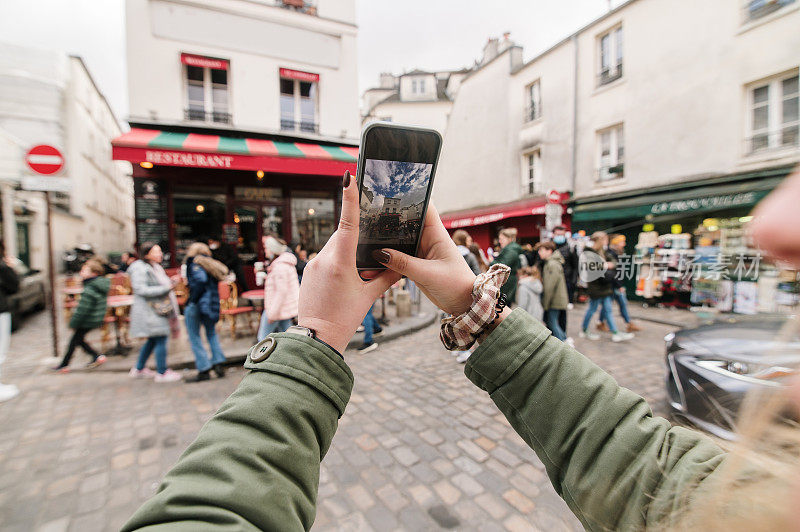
column 44, row 159
column 553, row 197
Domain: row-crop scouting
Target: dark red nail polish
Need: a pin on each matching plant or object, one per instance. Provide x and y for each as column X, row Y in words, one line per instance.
column 381, row 256
column 346, row 179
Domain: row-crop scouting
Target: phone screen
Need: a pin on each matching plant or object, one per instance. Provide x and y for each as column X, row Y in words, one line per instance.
column 395, row 183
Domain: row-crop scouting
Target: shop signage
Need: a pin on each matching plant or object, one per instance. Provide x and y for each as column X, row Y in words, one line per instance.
column 258, row 193
column 707, row 203
column 230, row 234
column 197, row 160
column 477, row 220
column 288, row 73
column 204, row 62
column 151, row 211
column 44, row 159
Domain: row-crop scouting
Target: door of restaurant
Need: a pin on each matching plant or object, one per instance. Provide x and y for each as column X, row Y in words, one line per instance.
column 255, row 221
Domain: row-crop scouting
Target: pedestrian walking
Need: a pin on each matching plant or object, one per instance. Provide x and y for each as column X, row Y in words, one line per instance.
column 89, row 314
column 281, row 289
column 554, row 287
column 127, row 258
column 463, row 241
column 371, row 329
column 203, row 275
column 616, row 465
column 529, row 292
column 509, row 255
column 616, row 247
column 9, row 285
column 227, row 255
column 599, row 288
column 480, row 256
column 154, row 314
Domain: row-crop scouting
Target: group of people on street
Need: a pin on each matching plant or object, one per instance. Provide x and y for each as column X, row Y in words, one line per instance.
column 543, row 280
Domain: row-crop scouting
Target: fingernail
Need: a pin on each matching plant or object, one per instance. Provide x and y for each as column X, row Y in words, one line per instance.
column 381, row 256
column 346, row 179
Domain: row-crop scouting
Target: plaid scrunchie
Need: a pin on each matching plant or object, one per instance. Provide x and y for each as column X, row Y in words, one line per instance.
column 460, row 332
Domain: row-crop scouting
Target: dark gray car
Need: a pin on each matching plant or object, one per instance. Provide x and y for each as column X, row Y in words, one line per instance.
column 712, row 367
column 32, row 294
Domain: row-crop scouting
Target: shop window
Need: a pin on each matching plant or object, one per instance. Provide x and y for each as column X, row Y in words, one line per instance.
column 773, row 115
column 532, row 175
column 207, row 97
column 313, row 220
column 198, row 215
column 248, row 218
column 299, row 101
column 611, row 153
column 610, row 60
column 533, row 97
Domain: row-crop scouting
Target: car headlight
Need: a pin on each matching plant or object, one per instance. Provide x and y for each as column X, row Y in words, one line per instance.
column 668, row 339
column 761, row 373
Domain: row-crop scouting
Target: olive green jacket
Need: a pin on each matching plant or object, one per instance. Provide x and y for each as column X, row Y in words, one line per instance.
column 509, row 256
column 555, row 294
column 255, row 464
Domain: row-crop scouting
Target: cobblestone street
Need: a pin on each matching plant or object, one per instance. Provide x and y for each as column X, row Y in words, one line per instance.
column 420, row 448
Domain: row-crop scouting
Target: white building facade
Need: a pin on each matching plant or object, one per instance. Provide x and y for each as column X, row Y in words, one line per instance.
column 50, row 98
column 244, row 117
column 625, row 108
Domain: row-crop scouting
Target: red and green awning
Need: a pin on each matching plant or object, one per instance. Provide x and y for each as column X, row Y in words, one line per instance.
column 212, row 151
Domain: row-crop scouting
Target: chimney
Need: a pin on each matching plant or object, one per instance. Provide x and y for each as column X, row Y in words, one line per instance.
column 388, row 81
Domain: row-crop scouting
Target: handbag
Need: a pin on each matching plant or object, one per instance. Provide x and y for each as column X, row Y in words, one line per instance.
column 163, row 307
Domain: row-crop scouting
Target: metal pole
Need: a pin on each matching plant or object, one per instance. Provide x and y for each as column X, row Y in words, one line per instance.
column 52, row 274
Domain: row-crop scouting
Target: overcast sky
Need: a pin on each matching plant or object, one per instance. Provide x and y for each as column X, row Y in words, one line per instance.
column 426, row 34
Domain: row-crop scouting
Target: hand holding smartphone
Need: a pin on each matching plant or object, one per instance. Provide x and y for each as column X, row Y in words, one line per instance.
column 396, row 165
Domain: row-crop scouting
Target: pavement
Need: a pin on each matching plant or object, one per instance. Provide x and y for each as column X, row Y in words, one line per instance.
column 419, row 448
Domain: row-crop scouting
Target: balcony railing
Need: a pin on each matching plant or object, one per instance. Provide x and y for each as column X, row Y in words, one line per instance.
column 294, row 125
column 787, row 138
column 607, row 173
column 532, row 112
column 298, row 5
column 609, row 74
column 198, row 115
column 755, row 9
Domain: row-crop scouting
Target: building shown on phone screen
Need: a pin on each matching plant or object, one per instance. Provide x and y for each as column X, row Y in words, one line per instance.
column 244, row 117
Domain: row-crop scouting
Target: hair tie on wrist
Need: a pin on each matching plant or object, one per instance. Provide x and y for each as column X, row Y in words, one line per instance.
column 460, row 332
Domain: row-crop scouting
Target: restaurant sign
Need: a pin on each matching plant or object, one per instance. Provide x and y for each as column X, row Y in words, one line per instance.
column 704, row 204
column 179, row 158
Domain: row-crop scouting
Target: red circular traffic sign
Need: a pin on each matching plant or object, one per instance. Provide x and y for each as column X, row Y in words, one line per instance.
column 44, row 159
column 554, row 196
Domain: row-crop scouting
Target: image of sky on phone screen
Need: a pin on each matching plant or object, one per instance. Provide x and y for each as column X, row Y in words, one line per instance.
column 392, row 204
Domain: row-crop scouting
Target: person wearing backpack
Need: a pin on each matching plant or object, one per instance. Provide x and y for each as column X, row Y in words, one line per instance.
column 9, row 284
column 89, row 314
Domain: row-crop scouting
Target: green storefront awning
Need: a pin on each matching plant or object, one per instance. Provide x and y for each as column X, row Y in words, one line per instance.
column 712, row 197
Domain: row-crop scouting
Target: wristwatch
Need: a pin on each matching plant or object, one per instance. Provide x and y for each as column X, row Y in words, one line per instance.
column 311, row 333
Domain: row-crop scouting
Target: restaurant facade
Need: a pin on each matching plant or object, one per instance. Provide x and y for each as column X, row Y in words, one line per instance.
column 244, row 117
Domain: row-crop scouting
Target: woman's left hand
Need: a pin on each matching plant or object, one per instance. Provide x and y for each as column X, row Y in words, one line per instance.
column 333, row 297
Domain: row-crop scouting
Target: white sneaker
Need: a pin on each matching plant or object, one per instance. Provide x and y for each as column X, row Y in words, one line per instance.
column 590, row 335
column 570, row 306
column 463, row 356
column 570, row 342
column 621, row 336
column 168, row 376
column 141, row 373
column 366, row 348
column 8, row 392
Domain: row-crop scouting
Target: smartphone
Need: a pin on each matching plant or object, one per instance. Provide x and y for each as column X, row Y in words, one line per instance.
column 396, row 165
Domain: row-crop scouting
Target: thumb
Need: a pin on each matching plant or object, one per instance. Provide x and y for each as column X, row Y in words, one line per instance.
column 399, row 262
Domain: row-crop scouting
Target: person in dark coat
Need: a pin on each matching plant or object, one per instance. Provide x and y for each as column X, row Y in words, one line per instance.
column 509, row 255
column 9, row 284
column 227, row 255
column 204, row 274
column 570, row 256
column 89, row 314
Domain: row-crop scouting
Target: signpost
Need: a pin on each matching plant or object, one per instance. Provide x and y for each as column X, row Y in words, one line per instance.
column 47, row 160
column 553, row 210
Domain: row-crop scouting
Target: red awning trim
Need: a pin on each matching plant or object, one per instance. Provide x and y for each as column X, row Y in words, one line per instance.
column 204, row 62
column 288, row 73
column 485, row 215
column 281, row 165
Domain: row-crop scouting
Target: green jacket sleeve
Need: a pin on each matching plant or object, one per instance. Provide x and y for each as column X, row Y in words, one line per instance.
column 255, row 464
column 616, row 466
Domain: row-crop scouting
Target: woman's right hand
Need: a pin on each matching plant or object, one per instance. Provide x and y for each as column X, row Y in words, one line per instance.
column 440, row 271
